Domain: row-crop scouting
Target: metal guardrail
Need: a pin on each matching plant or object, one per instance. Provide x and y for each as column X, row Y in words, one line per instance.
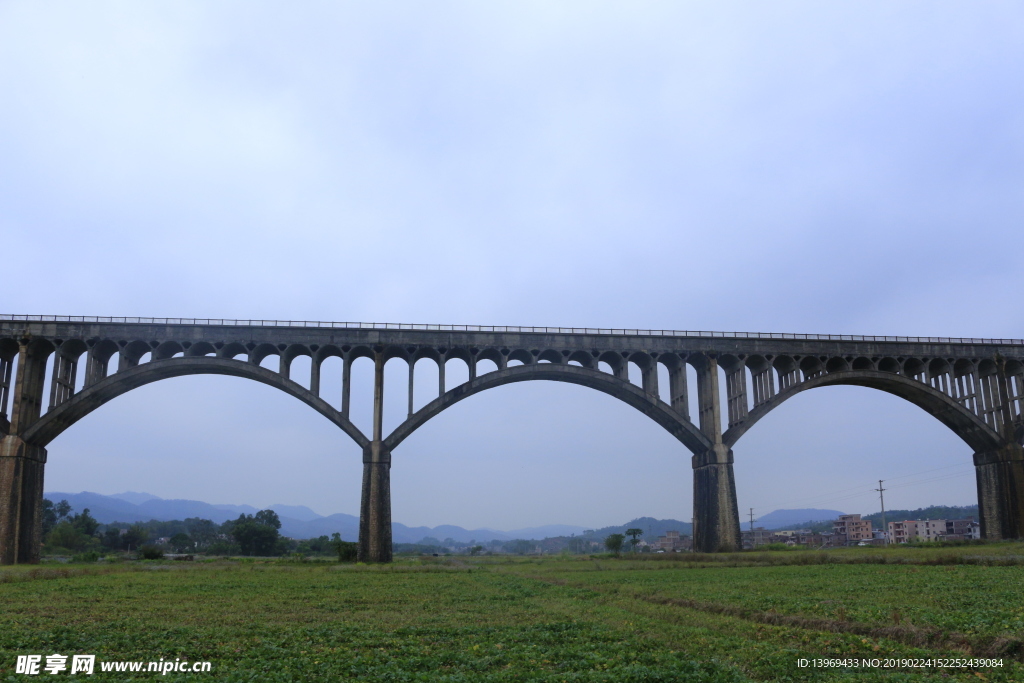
column 493, row 328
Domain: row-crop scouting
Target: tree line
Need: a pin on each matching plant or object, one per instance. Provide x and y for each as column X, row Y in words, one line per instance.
column 252, row 535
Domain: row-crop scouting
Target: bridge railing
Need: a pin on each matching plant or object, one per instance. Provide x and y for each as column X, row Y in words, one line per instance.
column 207, row 322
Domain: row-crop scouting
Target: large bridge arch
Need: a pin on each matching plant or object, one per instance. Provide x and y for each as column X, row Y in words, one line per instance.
column 962, row 422
column 679, row 427
column 55, row 421
column 998, row 457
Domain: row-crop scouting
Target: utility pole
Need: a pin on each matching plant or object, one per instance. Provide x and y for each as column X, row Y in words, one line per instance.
column 751, row 519
column 885, row 527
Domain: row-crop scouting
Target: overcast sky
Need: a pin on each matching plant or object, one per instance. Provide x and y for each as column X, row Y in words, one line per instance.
column 788, row 166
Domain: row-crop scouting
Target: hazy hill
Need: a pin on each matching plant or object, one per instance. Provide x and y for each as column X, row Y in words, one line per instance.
column 297, row 521
column 652, row 528
column 933, row 512
column 804, row 516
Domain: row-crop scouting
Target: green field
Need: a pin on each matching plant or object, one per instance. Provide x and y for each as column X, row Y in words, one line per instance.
column 663, row 618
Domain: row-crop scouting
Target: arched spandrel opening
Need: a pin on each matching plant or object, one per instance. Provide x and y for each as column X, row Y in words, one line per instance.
column 9, row 350
column 636, row 374
column 664, row 384
column 525, row 454
column 361, row 394
column 456, row 372
column 331, row 369
column 692, row 402
column 48, row 385
column 485, row 365
column 396, row 394
column 300, row 369
column 425, row 386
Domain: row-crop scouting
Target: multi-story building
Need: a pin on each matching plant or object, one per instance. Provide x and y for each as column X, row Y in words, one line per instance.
column 756, row 537
column 962, row 529
column 917, row 530
column 671, row 542
column 853, row 528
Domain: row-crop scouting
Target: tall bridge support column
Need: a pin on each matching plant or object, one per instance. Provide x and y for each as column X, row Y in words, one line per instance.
column 375, row 504
column 375, row 507
column 21, row 501
column 716, row 519
column 22, row 463
column 1000, row 475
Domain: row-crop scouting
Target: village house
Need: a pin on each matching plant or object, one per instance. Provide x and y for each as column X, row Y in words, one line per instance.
column 671, row 542
column 851, row 529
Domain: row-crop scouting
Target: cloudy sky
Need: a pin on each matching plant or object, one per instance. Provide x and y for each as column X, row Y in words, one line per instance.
column 789, row 166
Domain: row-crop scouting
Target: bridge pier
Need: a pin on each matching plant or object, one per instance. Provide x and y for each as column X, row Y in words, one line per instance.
column 375, row 502
column 375, row 505
column 716, row 522
column 21, row 501
column 1000, row 475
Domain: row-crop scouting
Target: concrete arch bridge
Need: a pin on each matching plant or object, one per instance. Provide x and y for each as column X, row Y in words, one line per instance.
column 973, row 386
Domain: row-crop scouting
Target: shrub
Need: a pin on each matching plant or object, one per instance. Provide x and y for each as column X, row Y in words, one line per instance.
column 347, row 551
column 151, row 552
column 92, row 556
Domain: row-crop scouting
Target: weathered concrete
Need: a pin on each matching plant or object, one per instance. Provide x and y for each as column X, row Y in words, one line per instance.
column 716, row 521
column 375, row 506
column 21, row 500
column 973, row 386
column 1000, row 476
column 375, row 502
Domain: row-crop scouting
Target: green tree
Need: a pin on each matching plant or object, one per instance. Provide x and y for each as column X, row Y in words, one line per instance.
column 53, row 514
column 135, row 537
column 66, row 535
column 84, row 522
column 203, row 532
column 111, row 538
column 256, row 534
column 347, row 550
column 181, row 543
column 614, row 543
column 476, row 550
column 635, row 533
column 268, row 517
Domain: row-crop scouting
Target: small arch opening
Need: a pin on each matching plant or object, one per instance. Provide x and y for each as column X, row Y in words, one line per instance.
column 331, row 373
column 424, row 388
column 300, row 371
column 456, row 372
column 664, row 386
column 636, row 375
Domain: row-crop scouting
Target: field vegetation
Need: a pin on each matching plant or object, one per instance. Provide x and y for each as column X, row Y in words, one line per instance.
column 728, row 617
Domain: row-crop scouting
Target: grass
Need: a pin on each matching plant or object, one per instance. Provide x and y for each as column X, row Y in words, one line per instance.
column 502, row 619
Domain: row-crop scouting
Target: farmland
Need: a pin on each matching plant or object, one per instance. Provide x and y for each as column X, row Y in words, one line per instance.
column 747, row 616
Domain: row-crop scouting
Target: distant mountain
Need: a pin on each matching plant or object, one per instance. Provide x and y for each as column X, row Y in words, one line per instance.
column 297, row 521
column 783, row 518
column 134, row 498
column 113, row 509
column 299, row 512
column 652, row 528
column 537, row 533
